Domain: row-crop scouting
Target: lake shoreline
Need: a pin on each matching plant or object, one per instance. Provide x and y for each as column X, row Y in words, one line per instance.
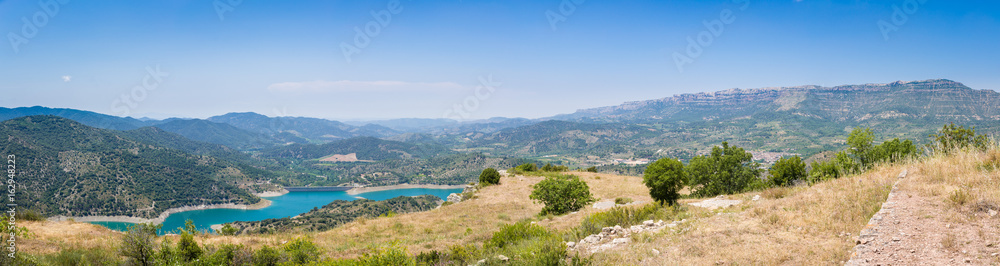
column 269, row 194
column 264, row 203
column 359, row 190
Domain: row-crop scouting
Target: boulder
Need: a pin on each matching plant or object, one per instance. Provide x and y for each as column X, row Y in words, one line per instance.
column 454, row 198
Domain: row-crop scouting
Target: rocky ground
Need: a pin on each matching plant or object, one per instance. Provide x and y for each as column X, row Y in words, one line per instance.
column 914, row 229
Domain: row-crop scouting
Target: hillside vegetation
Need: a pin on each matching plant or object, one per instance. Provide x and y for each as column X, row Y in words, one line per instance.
column 75, row 170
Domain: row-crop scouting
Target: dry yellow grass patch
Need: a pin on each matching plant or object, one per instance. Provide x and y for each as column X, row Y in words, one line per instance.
column 51, row 237
column 801, row 225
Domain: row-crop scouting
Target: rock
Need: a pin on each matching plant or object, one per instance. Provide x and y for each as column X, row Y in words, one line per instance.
column 502, row 258
column 619, row 241
column 635, row 229
column 756, row 197
column 993, row 213
column 618, row 229
column 648, row 223
column 607, row 230
column 591, row 239
column 607, row 204
column 995, row 254
column 895, row 239
column 454, row 198
column 481, row 261
column 656, row 252
column 968, row 260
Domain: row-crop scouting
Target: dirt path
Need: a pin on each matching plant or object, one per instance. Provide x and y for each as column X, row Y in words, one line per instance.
column 914, row 229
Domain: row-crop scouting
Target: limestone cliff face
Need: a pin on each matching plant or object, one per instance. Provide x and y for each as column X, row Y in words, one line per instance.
column 936, row 99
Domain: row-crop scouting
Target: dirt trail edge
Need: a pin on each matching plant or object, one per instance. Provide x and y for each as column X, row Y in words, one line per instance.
column 914, row 229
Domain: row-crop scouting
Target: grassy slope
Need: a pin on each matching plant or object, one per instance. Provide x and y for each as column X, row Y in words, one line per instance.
column 800, row 225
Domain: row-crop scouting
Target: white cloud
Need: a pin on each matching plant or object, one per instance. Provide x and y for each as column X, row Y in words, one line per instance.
column 66, row 78
column 350, row 85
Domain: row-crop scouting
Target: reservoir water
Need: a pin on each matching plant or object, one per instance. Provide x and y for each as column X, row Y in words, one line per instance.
column 291, row 204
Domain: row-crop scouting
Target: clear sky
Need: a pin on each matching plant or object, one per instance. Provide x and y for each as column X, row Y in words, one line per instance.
column 530, row 59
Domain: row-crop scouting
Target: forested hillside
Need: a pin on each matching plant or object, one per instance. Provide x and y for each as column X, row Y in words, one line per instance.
column 67, row 168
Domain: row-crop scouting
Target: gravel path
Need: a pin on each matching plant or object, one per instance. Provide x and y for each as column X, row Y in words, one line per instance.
column 911, row 229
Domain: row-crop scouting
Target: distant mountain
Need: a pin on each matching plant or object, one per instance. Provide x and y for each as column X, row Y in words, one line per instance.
column 85, row 117
column 447, row 126
column 297, row 129
column 365, row 148
column 218, row 133
column 803, row 120
column 939, row 99
column 76, row 170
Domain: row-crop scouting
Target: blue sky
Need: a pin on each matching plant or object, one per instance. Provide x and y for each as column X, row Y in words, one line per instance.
column 469, row 59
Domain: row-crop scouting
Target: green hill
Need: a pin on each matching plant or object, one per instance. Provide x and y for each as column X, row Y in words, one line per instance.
column 67, row 168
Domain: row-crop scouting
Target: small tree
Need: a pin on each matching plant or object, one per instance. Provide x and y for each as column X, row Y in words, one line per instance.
column 726, row 170
column 229, row 230
column 664, row 178
column 266, row 256
column 137, row 244
column 301, row 251
column 952, row 137
column 787, row 170
column 592, row 169
column 187, row 248
column 561, row 194
column 489, row 176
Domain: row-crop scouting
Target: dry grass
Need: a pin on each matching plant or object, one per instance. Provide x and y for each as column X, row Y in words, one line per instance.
column 468, row 222
column 799, row 225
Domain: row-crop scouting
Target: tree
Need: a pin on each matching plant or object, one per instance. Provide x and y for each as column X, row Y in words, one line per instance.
column 726, row 170
column 229, row 230
column 664, row 178
column 952, row 137
column 860, row 141
column 137, row 244
column 187, row 248
column 561, row 194
column 786, row 170
column 592, row 169
column 301, row 251
column 489, row 176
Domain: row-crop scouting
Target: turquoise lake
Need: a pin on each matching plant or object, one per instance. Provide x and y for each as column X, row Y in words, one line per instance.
column 288, row 205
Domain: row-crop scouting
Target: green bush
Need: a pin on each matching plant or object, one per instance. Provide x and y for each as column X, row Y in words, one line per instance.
column 554, row 168
column 301, row 250
column 786, row 170
column 665, row 178
column 386, row 255
column 623, row 200
column 266, row 256
column 227, row 230
column 489, row 176
column 952, row 137
column 529, row 244
column 561, row 194
column 524, row 168
column 187, row 248
column 592, row 169
column 727, row 170
column 72, row 256
column 624, row 216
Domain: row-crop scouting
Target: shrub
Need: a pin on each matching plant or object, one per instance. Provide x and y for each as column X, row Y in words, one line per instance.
column 592, row 169
column 266, row 256
column 823, row 170
column 952, row 137
column 187, row 248
column 562, row 194
column 525, row 168
column 29, row 215
column 489, row 176
column 554, row 168
column 787, row 170
column 623, row 200
column 137, row 244
column 386, row 255
column 301, row 250
column 727, row 170
column 624, row 216
column 71, row 256
column 664, row 178
column 227, row 230
column 530, row 244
